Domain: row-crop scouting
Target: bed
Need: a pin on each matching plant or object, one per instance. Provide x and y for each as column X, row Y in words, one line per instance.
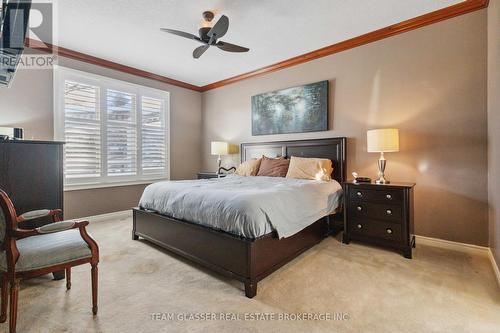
column 246, row 254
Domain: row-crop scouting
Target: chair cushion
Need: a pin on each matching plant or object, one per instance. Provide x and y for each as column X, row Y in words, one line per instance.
column 48, row 250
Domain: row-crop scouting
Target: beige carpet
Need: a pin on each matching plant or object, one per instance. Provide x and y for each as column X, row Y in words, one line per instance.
column 380, row 291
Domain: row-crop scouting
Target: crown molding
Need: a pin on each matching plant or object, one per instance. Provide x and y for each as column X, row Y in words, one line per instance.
column 398, row 28
column 462, row 8
column 67, row 53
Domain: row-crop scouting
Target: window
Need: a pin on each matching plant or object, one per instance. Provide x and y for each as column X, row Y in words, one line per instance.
column 115, row 132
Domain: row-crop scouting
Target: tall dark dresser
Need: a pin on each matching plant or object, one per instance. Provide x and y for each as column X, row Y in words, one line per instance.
column 31, row 173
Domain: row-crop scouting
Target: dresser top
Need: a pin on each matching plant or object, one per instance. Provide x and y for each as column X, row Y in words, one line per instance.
column 33, row 142
column 391, row 184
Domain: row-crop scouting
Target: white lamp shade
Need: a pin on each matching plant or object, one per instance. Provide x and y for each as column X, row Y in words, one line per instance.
column 219, row 148
column 383, row 140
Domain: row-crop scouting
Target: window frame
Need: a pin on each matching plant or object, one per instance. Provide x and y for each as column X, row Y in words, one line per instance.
column 63, row 74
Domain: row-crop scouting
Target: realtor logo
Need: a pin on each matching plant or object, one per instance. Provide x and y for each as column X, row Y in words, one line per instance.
column 27, row 36
column 41, row 27
column 24, row 18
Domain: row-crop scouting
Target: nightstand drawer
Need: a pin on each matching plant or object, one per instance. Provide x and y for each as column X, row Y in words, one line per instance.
column 380, row 211
column 384, row 195
column 377, row 229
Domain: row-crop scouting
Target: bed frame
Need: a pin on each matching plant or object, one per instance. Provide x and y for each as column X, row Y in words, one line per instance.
column 247, row 260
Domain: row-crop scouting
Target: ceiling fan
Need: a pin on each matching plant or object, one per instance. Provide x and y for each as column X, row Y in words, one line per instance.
column 209, row 36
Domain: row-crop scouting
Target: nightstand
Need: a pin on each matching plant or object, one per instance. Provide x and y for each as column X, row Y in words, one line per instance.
column 380, row 214
column 208, row 175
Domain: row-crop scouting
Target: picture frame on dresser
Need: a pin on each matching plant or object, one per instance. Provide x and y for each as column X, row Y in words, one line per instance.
column 380, row 214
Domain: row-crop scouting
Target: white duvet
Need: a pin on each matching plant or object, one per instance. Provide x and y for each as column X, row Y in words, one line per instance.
column 246, row 206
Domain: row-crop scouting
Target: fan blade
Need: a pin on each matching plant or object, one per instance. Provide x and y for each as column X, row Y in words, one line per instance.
column 199, row 51
column 181, row 33
column 219, row 29
column 231, row 47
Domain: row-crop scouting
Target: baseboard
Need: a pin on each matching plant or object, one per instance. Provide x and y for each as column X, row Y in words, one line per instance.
column 108, row 216
column 495, row 266
column 454, row 246
column 462, row 247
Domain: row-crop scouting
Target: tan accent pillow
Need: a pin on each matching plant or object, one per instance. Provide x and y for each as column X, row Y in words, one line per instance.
column 248, row 168
column 310, row 168
column 273, row 167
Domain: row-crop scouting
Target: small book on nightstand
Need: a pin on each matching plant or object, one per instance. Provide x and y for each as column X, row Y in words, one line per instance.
column 380, row 214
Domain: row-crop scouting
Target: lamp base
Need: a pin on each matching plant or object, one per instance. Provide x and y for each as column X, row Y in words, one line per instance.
column 219, row 160
column 381, row 169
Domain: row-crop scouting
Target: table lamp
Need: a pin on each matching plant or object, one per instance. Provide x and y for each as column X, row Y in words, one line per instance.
column 219, row 148
column 382, row 141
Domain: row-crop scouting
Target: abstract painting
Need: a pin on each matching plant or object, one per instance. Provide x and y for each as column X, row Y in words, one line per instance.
column 292, row 110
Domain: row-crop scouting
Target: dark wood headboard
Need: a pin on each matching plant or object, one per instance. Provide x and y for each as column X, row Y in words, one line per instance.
column 331, row 148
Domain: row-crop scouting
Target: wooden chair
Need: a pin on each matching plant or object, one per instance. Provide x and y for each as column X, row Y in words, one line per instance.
column 26, row 253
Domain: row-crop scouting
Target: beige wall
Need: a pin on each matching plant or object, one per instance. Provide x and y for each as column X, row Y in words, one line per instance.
column 430, row 83
column 83, row 203
column 494, row 125
column 29, row 104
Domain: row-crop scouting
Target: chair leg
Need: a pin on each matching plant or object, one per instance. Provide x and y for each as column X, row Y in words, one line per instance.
column 94, row 289
column 5, row 298
column 14, row 293
column 68, row 278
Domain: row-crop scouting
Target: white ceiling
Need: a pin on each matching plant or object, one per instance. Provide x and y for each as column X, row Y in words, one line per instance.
column 128, row 31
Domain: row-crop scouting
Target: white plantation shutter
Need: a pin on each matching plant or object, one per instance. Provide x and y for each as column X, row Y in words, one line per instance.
column 82, row 131
column 121, row 132
column 153, row 135
column 115, row 132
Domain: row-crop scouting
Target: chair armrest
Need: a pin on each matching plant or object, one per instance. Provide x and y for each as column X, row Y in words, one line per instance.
column 49, row 228
column 55, row 227
column 35, row 214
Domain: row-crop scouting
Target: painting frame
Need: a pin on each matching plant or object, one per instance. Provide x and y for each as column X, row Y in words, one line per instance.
column 315, row 111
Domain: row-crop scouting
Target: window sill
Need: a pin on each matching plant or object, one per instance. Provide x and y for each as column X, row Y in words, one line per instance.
column 69, row 188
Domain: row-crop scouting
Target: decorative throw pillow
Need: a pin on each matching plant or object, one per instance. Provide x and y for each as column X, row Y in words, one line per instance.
column 248, row 168
column 310, row 168
column 273, row 167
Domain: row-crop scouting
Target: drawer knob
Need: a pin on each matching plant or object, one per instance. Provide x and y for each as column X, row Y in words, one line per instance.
column 388, row 196
column 359, row 194
column 389, row 231
column 359, row 226
column 389, row 212
column 359, row 208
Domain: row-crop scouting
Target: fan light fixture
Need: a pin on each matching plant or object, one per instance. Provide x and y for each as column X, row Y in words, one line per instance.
column 209, row 35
